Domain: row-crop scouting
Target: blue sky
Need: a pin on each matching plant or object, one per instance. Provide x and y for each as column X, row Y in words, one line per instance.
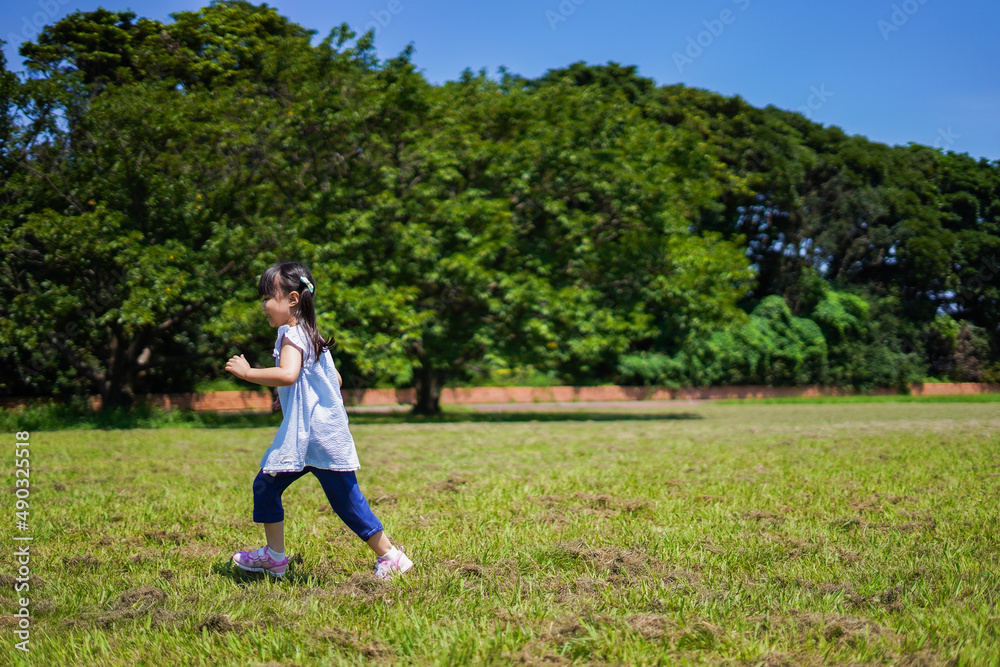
column 896, row 71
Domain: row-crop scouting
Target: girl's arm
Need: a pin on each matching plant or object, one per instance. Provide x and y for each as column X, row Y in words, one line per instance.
column 282, row 375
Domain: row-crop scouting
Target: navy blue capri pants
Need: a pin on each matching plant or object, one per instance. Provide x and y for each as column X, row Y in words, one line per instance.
column 340, row 487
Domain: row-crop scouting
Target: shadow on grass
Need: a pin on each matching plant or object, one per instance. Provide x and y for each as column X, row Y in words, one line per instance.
column 495, row 416
column 65, row 417
column 243, row 578
column 55, row 418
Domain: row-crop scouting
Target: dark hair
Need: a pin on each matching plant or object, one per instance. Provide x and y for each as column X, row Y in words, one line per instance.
column 288, row 278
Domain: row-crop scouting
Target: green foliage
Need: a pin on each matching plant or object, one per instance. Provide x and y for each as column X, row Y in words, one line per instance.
column 959, row 351
column 843, row 315
column 8, row 92
column 846, row 343
column 653, row 368
column 219, row 384
column 587, row 224
column 867, row 347
column 774, row 348
column 111, row 281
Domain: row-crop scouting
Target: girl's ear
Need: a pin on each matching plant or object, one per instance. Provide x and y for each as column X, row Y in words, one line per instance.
column 293, row 298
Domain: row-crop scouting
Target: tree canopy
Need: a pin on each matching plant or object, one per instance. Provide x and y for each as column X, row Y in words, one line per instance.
column 588, row 225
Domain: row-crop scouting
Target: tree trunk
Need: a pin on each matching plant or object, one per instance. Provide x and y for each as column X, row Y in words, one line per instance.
column 428, row 382
column 116, row 395
column 117, row 390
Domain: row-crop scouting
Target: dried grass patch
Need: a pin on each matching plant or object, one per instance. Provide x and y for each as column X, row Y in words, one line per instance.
column 164, row 537
column 839, row 628
column 82, row 562
column 763, row 516
column 603, row 505
column 651, row 626
column 611, row 560
column 221, row 623
column 926, row 659
column 365, row 586
column 138, row 603
column 344, row 638
column 467, row 569
column 451, row 485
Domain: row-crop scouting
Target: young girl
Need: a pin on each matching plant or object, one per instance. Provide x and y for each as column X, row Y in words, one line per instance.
column 313, row 436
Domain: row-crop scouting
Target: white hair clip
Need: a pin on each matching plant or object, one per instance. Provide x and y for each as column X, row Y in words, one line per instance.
column 308, row 284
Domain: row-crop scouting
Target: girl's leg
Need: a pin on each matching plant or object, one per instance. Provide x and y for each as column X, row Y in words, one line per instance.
column 275, row 534
column 267, row 509
column 346, row 499
column 379, row 543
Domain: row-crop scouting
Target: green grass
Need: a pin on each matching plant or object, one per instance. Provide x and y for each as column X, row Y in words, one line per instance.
column 708, row 534
column 893, row 398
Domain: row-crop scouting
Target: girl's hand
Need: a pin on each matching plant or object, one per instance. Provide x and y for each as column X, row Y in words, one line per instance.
column 276, row 406
column 238, row 366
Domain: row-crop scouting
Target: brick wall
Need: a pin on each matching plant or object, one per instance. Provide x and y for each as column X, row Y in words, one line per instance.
column 261, row 401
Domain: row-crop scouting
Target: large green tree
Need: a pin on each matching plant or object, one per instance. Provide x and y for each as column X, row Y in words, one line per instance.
column 139, row 218
column 586, row 223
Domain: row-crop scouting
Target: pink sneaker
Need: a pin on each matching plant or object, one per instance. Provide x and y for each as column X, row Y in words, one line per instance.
column 260, row 561
column 385, row 567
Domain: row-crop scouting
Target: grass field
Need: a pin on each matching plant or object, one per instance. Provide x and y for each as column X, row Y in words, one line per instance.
column 743, row 534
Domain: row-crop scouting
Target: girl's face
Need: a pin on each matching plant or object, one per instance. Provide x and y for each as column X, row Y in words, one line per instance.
column 280, row 309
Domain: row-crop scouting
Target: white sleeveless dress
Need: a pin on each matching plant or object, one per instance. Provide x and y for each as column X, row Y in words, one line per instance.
column 313, row 429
